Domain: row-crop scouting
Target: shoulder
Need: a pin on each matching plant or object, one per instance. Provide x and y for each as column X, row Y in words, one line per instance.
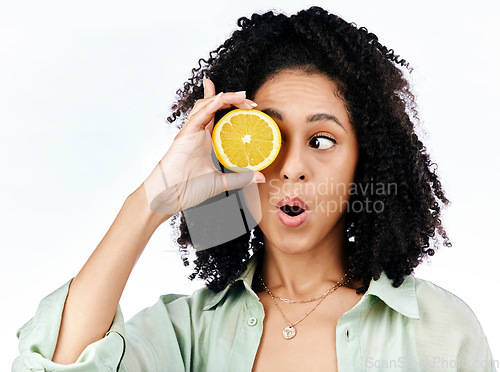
column 447, row 324
column 194, row 302
column 436, row 304
column 179, row 304
column 172, row 313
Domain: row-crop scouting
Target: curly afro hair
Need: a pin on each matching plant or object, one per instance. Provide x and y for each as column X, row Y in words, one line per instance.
column 383, row 111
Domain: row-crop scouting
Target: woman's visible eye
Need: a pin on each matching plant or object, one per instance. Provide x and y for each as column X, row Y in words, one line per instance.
column 323, row 142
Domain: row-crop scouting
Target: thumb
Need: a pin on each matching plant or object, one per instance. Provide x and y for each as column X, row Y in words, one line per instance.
column 239, row 180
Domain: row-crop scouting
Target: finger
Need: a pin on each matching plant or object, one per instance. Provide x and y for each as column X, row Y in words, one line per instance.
column 246, row 104
column 208, row 88
column 209, row 91
column 239, row 101
column 225, row 100
column 228, row 99
column 238, row 180
column 203, row 118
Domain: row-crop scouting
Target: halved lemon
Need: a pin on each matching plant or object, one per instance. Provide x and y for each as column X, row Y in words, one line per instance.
column 246, row 140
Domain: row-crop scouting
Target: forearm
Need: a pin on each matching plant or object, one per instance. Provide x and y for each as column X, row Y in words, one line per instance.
column 95, row 292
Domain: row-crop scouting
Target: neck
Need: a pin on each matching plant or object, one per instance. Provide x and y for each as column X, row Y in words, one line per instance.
column 305, row 274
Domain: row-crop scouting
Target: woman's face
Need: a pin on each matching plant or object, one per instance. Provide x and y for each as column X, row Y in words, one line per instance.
column 316, row 163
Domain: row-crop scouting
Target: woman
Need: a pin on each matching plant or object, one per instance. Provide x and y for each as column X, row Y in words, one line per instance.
column 329, row 289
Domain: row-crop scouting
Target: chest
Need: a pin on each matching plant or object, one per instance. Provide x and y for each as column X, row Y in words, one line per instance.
column 313, row 346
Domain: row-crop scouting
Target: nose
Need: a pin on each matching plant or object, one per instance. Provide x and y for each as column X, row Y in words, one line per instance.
column 293, row 163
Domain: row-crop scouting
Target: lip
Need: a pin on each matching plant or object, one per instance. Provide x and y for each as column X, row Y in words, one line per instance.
column 289, row 220
column 292, row 221
column 294, row 202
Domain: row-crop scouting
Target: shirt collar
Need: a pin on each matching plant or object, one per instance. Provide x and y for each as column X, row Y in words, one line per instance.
column 402, row 299
column 246, row 278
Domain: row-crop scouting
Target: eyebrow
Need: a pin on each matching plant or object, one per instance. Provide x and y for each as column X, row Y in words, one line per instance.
column 315, row 117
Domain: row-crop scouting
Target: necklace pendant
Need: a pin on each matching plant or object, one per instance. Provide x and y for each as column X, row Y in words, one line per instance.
column 289, row 333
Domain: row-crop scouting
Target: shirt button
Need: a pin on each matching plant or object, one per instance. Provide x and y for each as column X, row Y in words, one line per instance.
column 252, row 321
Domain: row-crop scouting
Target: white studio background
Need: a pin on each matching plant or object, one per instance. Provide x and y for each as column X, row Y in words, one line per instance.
column 85, row 88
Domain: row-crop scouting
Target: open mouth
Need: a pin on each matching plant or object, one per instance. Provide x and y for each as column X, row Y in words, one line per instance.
column 292, row 210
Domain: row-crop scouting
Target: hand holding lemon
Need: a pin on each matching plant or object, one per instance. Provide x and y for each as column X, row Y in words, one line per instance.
column 246, row 139
column 186, row 176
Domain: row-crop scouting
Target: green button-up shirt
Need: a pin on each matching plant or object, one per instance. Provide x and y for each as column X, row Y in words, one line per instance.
column 417, row 326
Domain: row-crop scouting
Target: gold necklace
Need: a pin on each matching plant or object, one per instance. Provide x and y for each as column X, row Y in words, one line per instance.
column 301, row 301
column 289, row 332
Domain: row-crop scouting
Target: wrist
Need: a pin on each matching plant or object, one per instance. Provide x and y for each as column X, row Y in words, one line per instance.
column 138, row 202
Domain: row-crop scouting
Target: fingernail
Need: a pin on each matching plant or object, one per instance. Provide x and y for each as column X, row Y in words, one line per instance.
column 242, row 92
column 258, row 178
column 250, row 102
column 218, row 95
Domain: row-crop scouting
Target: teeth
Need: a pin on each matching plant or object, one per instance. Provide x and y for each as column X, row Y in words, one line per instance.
column 292, row 210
